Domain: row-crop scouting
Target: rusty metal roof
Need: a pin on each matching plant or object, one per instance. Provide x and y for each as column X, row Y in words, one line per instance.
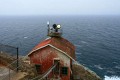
column 59, row 43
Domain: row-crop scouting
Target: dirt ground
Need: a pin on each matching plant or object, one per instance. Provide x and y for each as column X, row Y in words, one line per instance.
column 3, row 71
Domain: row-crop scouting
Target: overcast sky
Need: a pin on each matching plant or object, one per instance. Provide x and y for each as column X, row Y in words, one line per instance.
column 59, row 7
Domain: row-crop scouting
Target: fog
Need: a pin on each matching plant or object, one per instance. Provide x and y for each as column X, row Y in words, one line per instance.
column 59, row 7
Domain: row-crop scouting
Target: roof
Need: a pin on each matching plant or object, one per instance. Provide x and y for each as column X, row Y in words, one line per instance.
column 58, row 43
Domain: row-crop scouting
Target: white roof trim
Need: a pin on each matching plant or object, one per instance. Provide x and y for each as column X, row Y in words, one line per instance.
column 62, row 52
column 54, row 48
column 37, row 49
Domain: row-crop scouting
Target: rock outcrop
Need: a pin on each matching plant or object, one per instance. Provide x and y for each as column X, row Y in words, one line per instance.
column 82, row 73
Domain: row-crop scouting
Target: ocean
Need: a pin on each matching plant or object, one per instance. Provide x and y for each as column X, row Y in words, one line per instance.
column 96, row 38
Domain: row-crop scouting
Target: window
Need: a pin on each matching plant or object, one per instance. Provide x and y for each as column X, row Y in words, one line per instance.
column 38, row 68
column 57, row 68
column 64, row 70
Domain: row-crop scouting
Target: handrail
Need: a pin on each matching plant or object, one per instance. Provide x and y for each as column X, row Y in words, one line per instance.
column 46, row 73
column 12, row 63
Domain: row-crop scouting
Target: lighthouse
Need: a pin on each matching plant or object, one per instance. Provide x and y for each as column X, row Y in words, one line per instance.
column 53, row 56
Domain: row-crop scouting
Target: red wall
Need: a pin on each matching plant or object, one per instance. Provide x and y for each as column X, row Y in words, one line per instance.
column 45, row 57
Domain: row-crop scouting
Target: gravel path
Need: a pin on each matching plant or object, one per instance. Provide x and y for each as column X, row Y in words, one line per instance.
column 4, row 72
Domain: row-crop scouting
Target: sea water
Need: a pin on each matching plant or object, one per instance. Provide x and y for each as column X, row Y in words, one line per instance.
column 96, row 38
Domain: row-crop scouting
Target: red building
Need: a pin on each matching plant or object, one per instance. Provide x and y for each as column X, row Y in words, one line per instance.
column 53, row 57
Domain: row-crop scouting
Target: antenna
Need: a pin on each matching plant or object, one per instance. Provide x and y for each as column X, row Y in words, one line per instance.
column 48, row 25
